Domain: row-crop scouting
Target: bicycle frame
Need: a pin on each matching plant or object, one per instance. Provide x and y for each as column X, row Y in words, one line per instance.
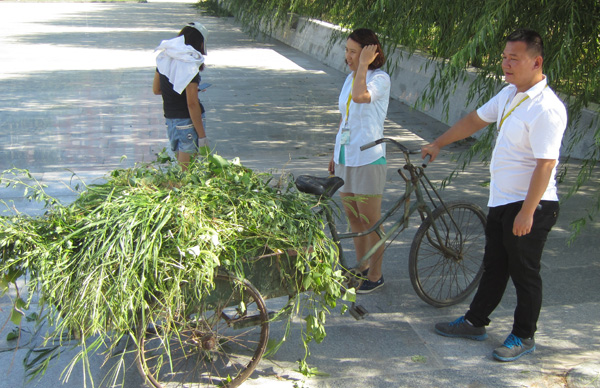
column 417, row 183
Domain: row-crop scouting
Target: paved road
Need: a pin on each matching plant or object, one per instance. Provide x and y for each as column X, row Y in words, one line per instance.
column 76, row 84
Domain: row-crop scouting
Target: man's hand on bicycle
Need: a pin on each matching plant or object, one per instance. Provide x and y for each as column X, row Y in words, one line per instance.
column 430, row 149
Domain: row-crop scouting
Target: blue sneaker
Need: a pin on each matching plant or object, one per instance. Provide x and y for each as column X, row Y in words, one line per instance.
column 461, row 328
column 369, row 286
column 513, row 348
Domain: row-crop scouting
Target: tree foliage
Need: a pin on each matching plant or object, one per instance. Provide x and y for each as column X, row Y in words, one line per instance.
column 470, row 34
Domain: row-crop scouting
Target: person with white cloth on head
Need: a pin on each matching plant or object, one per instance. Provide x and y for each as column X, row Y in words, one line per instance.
column 177, row 77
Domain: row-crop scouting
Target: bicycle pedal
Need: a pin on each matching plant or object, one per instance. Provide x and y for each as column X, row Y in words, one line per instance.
column 358, row 312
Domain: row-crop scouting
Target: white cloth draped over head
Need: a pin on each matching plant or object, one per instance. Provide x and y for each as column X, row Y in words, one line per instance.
column 178, row 62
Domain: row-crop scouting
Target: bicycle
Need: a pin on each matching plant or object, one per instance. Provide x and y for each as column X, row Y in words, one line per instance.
column 445, row 260
column 220, row 338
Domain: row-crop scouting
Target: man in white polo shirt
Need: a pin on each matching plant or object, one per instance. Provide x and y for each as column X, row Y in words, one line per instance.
column 523, row 203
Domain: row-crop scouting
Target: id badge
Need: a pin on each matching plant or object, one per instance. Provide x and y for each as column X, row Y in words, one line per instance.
column 345, row 138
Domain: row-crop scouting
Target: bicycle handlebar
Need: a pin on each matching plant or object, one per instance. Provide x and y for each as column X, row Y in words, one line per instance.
column 426, row 161
column 402, row 148
column 371, row 144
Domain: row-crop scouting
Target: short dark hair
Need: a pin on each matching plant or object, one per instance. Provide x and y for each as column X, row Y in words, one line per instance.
column 194, row 38
column 365, row 37
column 532, row 39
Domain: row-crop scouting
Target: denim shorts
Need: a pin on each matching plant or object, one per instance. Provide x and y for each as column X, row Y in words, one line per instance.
column 182, row 135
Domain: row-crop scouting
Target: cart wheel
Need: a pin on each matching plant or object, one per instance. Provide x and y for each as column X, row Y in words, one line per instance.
column 215, row 342
column 446, row 276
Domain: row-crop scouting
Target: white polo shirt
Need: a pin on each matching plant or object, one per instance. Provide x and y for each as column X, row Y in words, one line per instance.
column 533, row 130
column 365, row 120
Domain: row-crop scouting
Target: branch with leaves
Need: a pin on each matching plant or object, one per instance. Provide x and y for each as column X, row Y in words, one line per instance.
column 104, row 260
column 460, row 35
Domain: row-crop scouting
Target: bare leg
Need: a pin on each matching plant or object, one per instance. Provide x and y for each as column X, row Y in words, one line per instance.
column 363, row 212
column 184, row 159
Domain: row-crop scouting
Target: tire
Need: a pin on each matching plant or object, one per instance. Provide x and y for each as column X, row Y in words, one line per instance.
column 215, row 342
column 443, row 279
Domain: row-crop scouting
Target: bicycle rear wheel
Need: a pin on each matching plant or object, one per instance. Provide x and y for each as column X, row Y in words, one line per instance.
column 444, row 276
column 215, row 342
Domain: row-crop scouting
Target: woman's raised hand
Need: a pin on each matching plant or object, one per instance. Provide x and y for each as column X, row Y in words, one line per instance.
column 368, row 54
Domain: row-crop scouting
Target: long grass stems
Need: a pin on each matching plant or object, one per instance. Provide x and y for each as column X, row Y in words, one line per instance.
column 154, row 236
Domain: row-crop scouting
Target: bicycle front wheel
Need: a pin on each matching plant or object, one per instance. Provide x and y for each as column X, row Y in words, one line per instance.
column 446, row 267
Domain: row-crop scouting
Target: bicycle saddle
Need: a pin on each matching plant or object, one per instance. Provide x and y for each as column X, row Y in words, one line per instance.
column 319, row 186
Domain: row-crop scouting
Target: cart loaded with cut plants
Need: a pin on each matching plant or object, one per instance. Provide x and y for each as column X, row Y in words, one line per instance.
column 178, row 263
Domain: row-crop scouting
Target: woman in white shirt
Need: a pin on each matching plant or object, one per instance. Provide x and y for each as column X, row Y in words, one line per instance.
column 363, row 103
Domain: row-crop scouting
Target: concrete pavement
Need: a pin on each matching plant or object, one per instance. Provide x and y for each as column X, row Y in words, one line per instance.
column 76, row 82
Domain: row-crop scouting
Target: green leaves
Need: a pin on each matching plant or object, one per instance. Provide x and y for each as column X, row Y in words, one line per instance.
column 217, row 163
column 13, row 335
column 464, row 39
column 149, row 232
column 419, row 359
column 315, row 326
column 16, row 316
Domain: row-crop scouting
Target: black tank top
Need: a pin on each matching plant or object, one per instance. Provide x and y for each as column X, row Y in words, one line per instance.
column 175, row 104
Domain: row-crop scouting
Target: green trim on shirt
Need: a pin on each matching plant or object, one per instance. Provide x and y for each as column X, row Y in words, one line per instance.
column 343, row 157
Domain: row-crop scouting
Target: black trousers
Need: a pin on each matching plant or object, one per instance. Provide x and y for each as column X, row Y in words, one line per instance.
column 508, row 256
